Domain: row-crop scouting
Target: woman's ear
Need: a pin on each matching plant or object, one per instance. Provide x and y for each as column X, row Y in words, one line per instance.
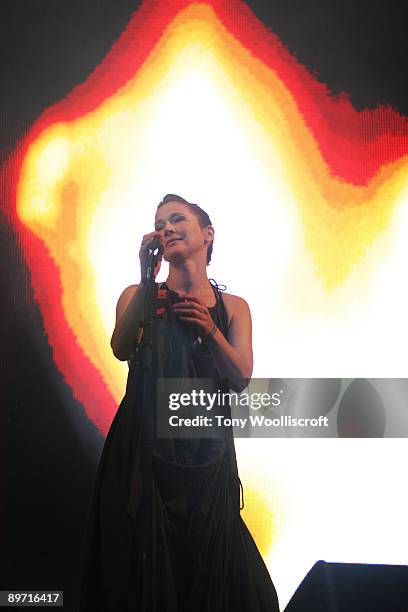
column 209, row 237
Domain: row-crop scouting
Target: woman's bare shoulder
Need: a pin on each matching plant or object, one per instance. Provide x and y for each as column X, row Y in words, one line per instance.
column 125, row 298
column 234, row 300
column 128, row 292
column 235, row 305
column 130, row 289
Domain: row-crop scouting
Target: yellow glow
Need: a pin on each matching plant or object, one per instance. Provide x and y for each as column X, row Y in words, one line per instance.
column 45, row 166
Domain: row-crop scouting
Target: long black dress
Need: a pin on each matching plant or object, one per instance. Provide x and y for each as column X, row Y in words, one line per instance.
column 164, row 532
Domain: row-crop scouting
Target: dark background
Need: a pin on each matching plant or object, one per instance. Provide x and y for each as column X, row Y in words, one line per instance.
column 48, row 46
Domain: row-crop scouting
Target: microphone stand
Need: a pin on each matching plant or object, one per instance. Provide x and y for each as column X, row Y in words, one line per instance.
column 148, row 433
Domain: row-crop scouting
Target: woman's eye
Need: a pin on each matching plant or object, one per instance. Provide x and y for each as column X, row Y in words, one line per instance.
column 160, row 226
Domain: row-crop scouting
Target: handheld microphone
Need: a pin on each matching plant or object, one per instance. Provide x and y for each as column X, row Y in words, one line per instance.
column 156, row 244
column 152, row 258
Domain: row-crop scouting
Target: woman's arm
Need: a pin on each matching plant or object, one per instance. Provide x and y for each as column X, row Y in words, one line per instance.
column 232, row 355
column 130, row 306
column 128, row 313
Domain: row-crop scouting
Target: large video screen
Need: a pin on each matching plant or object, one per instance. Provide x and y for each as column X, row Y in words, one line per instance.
column 307, row 192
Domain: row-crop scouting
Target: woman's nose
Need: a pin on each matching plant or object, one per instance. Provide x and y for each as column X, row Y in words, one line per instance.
column 168, row 230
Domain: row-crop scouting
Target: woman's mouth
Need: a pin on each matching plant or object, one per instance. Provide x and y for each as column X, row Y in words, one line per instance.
column 172, row 241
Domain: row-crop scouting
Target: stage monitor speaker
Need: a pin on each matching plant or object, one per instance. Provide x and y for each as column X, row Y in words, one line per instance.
column 352, row 587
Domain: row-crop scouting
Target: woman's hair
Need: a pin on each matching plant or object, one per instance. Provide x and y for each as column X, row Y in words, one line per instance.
column 201, row 215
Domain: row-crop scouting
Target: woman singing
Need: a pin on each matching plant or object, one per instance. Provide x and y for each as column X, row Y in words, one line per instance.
column 165, row 532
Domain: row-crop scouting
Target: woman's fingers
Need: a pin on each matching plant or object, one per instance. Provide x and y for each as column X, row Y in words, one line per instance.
column 148, row 239
column 194, row 312
column 189, row 306
column 144, row 251
column 189, row 311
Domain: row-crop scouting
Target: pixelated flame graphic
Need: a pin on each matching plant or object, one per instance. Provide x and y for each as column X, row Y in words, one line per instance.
column 199, row 98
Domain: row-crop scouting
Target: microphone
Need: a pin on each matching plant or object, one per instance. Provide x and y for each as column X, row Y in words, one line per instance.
column 152, row 258
column 156, row 244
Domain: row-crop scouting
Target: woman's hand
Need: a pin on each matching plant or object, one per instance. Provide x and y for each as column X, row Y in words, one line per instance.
column 193, row 311
column 144, row 252
column 232, row 354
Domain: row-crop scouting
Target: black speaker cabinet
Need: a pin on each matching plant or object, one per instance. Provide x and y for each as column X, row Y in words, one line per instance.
column 352, row 587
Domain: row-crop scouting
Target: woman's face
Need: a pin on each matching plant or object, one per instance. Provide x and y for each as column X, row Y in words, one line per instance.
column 181, row 232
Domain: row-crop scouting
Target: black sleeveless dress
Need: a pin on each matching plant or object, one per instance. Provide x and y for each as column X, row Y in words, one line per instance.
column 164, row 532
